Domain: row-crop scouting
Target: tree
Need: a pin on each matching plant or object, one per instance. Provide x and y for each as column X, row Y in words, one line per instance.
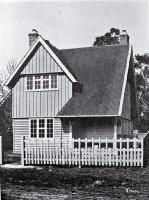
column 6, row 108
column 111, row 37
column 3, row 77
column 141, row 64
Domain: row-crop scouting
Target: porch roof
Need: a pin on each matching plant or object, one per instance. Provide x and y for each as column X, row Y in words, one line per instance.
column 100, row 72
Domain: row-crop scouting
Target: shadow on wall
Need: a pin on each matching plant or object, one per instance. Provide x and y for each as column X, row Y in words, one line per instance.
column 6, row 124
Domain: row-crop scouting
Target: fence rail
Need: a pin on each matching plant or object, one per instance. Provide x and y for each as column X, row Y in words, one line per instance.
column 101, row 152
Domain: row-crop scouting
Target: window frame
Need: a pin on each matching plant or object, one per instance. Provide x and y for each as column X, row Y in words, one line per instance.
column 45, row 128
column 41, row 82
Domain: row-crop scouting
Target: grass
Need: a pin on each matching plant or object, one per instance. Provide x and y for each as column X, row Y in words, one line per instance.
column 107, row 182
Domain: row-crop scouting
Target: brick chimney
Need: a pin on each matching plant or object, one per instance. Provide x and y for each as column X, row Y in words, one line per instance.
column 32, row 37
column 124, row 37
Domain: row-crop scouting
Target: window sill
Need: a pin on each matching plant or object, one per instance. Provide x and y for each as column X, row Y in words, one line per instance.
column 42, row 90
column 45, row 138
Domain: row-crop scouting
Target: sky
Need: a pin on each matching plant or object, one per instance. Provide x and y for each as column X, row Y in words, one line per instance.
column 69, row 24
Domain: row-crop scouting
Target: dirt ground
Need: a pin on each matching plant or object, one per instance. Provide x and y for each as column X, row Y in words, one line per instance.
column 56, row 183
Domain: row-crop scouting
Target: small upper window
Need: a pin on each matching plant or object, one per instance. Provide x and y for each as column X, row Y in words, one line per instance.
column 53, row 81
column 37, row 82
column 44, row 82
column 29, row 82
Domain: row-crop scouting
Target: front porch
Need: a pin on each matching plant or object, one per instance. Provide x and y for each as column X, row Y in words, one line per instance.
column 96, row 127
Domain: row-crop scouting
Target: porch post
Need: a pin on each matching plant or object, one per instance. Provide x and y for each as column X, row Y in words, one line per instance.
column 115, row 133
column 70, row 133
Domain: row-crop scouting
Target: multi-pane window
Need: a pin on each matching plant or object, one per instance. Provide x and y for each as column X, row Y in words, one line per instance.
column 34, row 128
column 50, row 128
column 41, row 128
column 30, row 82
column 44, row 82
column 53, row 81
column 37, row 82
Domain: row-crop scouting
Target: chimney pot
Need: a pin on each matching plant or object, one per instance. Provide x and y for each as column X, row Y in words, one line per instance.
column 32, row 37
column 124, row 37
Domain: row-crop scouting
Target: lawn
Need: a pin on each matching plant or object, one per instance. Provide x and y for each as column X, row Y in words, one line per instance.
column 74, row 183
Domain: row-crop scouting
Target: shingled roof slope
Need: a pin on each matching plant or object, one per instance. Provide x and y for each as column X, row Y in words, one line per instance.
column 101, row 71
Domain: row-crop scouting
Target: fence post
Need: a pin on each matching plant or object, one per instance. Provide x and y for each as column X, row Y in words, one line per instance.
column 92, row 151
column 85, row 151
column 135, row 152
column 79, row 142
column 22, row 150
column 142, row 152
column 1, row 157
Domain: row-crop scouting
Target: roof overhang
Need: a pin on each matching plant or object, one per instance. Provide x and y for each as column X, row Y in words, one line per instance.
column 81, row 116
column 125, row 81
column 59, row 62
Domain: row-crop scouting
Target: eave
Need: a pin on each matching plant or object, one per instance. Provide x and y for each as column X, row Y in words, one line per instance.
column 59, row 62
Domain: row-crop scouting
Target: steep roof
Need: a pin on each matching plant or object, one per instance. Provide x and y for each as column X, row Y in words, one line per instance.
column 101, row 72
column 53, row 51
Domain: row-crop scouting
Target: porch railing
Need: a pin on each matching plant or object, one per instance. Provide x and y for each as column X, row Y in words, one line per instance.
column 88, row 152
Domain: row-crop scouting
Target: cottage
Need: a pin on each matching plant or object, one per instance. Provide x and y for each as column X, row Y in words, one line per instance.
column 73, row 93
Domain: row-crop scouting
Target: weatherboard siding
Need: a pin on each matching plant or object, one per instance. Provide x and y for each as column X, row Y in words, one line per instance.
column 47, row 103
column 21, row 127
column 41, row 62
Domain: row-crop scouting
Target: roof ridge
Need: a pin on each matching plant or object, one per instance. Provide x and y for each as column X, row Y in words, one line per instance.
column 95, row 47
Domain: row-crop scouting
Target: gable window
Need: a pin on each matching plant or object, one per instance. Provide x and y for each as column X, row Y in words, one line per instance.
column 41, row 128
column 53, row 81
column 29, row 83
column 42, row 82
column 46, row 82
column 37, row 82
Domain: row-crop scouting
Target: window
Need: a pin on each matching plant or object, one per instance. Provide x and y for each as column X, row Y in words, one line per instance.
column 37, row 82
column 45, row 82
column 49, row 128
column 34, row 128
column 53, row 81
column 29, row 83
column 41, row 128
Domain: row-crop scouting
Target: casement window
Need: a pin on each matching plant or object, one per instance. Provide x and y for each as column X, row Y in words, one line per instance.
column 37, row 82
column 41, row 128
column 53, row 81
column 44, row 82
column 29, row 83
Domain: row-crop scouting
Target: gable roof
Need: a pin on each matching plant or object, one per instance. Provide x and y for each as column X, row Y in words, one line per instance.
column 102, row 71
column 55, row 53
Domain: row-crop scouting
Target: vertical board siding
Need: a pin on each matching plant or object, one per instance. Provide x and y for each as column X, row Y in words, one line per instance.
column 20, row 127
column 41, row 62
column 126, row 111
column 48, row 103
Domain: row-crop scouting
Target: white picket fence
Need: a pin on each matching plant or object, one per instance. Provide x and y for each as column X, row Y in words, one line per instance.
column 101, row 152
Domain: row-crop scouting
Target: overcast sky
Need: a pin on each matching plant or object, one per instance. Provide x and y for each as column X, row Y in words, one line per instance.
column 70, row 23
